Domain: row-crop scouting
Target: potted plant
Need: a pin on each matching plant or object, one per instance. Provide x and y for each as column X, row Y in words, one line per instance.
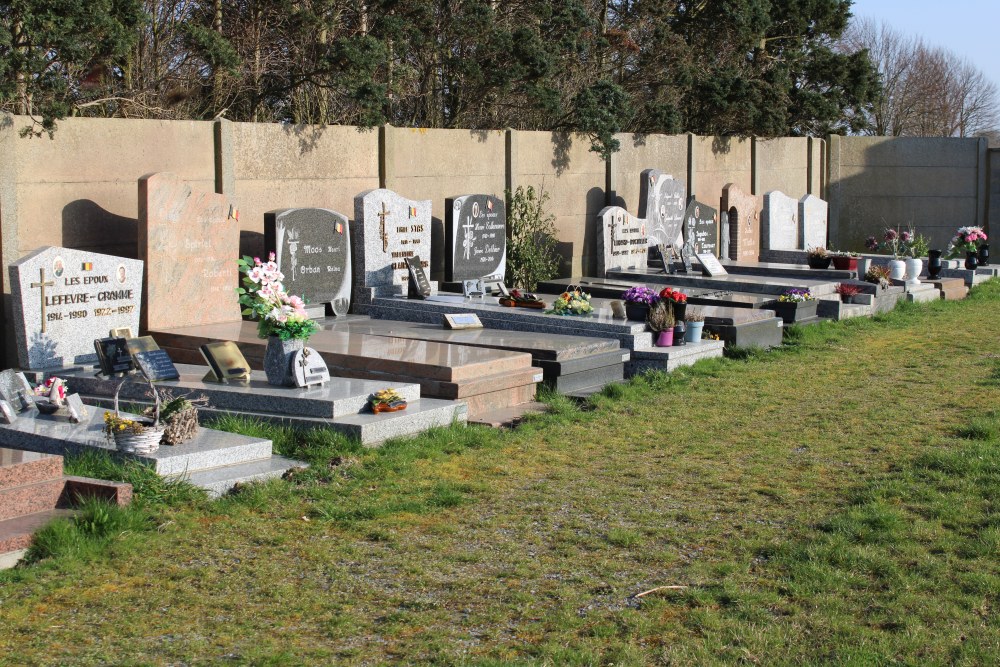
column 916, row 247
column 818, row 258
column 281, row 317
column 967, row 240
column 695, row 326
column 844, row 261
column 847, row 292
column 661, row 322
column 878, row 275
column 794, row 305
column 637, row 300
column 677, row 299
column 572, row 302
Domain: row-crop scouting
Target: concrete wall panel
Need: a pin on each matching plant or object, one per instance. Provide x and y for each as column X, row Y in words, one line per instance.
column 783, row 164
column 718, row 161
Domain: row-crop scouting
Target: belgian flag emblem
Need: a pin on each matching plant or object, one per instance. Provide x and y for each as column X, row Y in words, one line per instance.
column 87, row 266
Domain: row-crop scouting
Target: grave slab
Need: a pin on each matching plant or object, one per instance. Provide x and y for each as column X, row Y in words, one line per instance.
column 671, row 358
column 62, row 299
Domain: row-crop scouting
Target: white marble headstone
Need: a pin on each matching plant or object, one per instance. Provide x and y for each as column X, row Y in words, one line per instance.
column 780, row 222
column 662, row 201
column 813, row 213
column 387, row 228
column 622, row 242
column 62, row 299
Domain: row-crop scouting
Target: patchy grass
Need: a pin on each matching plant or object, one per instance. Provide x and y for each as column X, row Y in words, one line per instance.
column 831, row 502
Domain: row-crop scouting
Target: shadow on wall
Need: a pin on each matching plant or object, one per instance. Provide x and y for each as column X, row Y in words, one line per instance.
column 88, row 226
column 251, row 244
column 722, row 145
column 562, row 142
column 900, row 186
column 596, row 200
column 308, row 136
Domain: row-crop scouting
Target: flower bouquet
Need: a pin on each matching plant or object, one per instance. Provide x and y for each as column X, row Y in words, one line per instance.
column 796, row 295
column 637, row 300
column 386, row 400
column 519, row 299
column 678, row 301
column 966, row 240
column 264, row 299
column 572, row 302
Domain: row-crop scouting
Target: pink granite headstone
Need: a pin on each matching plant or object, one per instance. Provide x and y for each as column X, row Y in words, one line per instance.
column 190, row 242
column 744, row 224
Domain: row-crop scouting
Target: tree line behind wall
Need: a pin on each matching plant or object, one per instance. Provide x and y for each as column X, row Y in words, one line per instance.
column 727, row 67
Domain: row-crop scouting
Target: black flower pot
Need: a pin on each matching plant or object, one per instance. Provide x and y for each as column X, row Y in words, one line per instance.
column 984, row 254
column 637, row 311
column 819, row 262
column 933, row 264
column 972, row 260
column 680, row 310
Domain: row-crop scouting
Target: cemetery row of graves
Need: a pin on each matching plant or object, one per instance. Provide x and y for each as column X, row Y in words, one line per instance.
column 339, row 326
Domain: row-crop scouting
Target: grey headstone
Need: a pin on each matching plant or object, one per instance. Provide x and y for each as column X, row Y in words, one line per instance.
column 780, row 222
column 312, row 247
column 475, row 238
column 723, row 234
column 813, row 213
column 63, row 299
column 16, row 390
column 701, row 228
column 386, row 229
column 622, row 242
column 662, row 200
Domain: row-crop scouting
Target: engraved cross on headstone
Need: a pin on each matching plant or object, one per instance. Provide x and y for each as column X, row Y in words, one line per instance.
column 383, row 233
column 42, row 284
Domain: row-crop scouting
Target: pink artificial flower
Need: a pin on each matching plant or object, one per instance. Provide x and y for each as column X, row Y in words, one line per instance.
column 891, row 234
column 296, row 303
column 271, row 257
column 256, row 260
column 907, row 237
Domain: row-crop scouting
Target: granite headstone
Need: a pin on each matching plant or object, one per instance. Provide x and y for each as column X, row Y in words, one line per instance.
column 662, row 200
column 744, row 224
column 475, row 238
column 779, row 228
column 387, row 228
column 16, row 390
column 701, row 228
column 62, row 299
column 622, row 242
column 190, row 242
column 813, row 213
column 312, row 247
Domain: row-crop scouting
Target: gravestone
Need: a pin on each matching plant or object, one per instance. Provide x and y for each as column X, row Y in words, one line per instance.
column 744, row 224
column 190, row 242
column 62, row 299
column 475, row 238
column 813, row 213
column 622, row 242
column 662, row 201
column 312, row 247
column 387, row 228
column 701, row 228
column 780, row 222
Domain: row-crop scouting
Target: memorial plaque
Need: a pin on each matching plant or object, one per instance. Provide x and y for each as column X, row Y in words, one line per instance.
column 312, row 247
column 419, row 285
column 386, row 229
column 622, row 242
column 16, row 390
column 156, row 365
column 462, row 321
column 75, row 409
column 710, row 265
column 744, row 224
column 62, row 299
column 662, row 201
column 309, row 368
column 226, row 362
column 474, row 287
column 666, row 257
column 141, row 344
column 701, row 228
column 114, row 355
column 813, row 214
column 190, row 242
column 7, row 412
column 779, row 226
column 475, row 237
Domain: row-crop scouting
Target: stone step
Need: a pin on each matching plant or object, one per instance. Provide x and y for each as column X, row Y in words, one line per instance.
column 670, row 358
column 15, row 534
column 218, row 481
column 373, row 430
column 339, row 397
column 30, row 498
column 19, row 467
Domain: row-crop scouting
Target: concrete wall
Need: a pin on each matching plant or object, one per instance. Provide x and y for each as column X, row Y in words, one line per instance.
column 718, row 161
column 782, row 164
column 933, row 185
column 993, row 195
column 574, row 178
column 281, row 166
column 668, row 153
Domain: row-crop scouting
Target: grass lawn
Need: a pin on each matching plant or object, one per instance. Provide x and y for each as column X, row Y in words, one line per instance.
column 833, row 502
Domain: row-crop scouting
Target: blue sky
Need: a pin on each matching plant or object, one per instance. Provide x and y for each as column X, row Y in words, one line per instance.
column 970, row 28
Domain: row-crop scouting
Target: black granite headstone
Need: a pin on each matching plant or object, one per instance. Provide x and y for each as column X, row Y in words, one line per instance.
column 312, row 247
column 701, row 228
column 475, row 237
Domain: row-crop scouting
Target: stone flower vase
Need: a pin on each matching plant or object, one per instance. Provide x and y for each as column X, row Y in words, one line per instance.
column 897, row 269
column 913, row 268
column 972, row 260
column 278, row 360
column 933, row 264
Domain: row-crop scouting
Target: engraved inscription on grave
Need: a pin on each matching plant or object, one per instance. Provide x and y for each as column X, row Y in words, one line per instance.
column 475, row 237
column 661, row 200
column 622, row 242
column 701, row 228
column 62, row 299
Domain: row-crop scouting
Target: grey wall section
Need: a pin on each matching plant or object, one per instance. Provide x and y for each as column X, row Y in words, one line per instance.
column 933, row 185
column 993, row 195
column 668, row 153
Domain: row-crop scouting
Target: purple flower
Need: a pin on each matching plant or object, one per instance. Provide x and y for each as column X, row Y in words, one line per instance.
column 871, row 243
column 891, row 235
column 907, row 237
column 640, row 294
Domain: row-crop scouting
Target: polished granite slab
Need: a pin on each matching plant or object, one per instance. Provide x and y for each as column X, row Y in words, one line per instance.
column 613, row 289
column 758, row 284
